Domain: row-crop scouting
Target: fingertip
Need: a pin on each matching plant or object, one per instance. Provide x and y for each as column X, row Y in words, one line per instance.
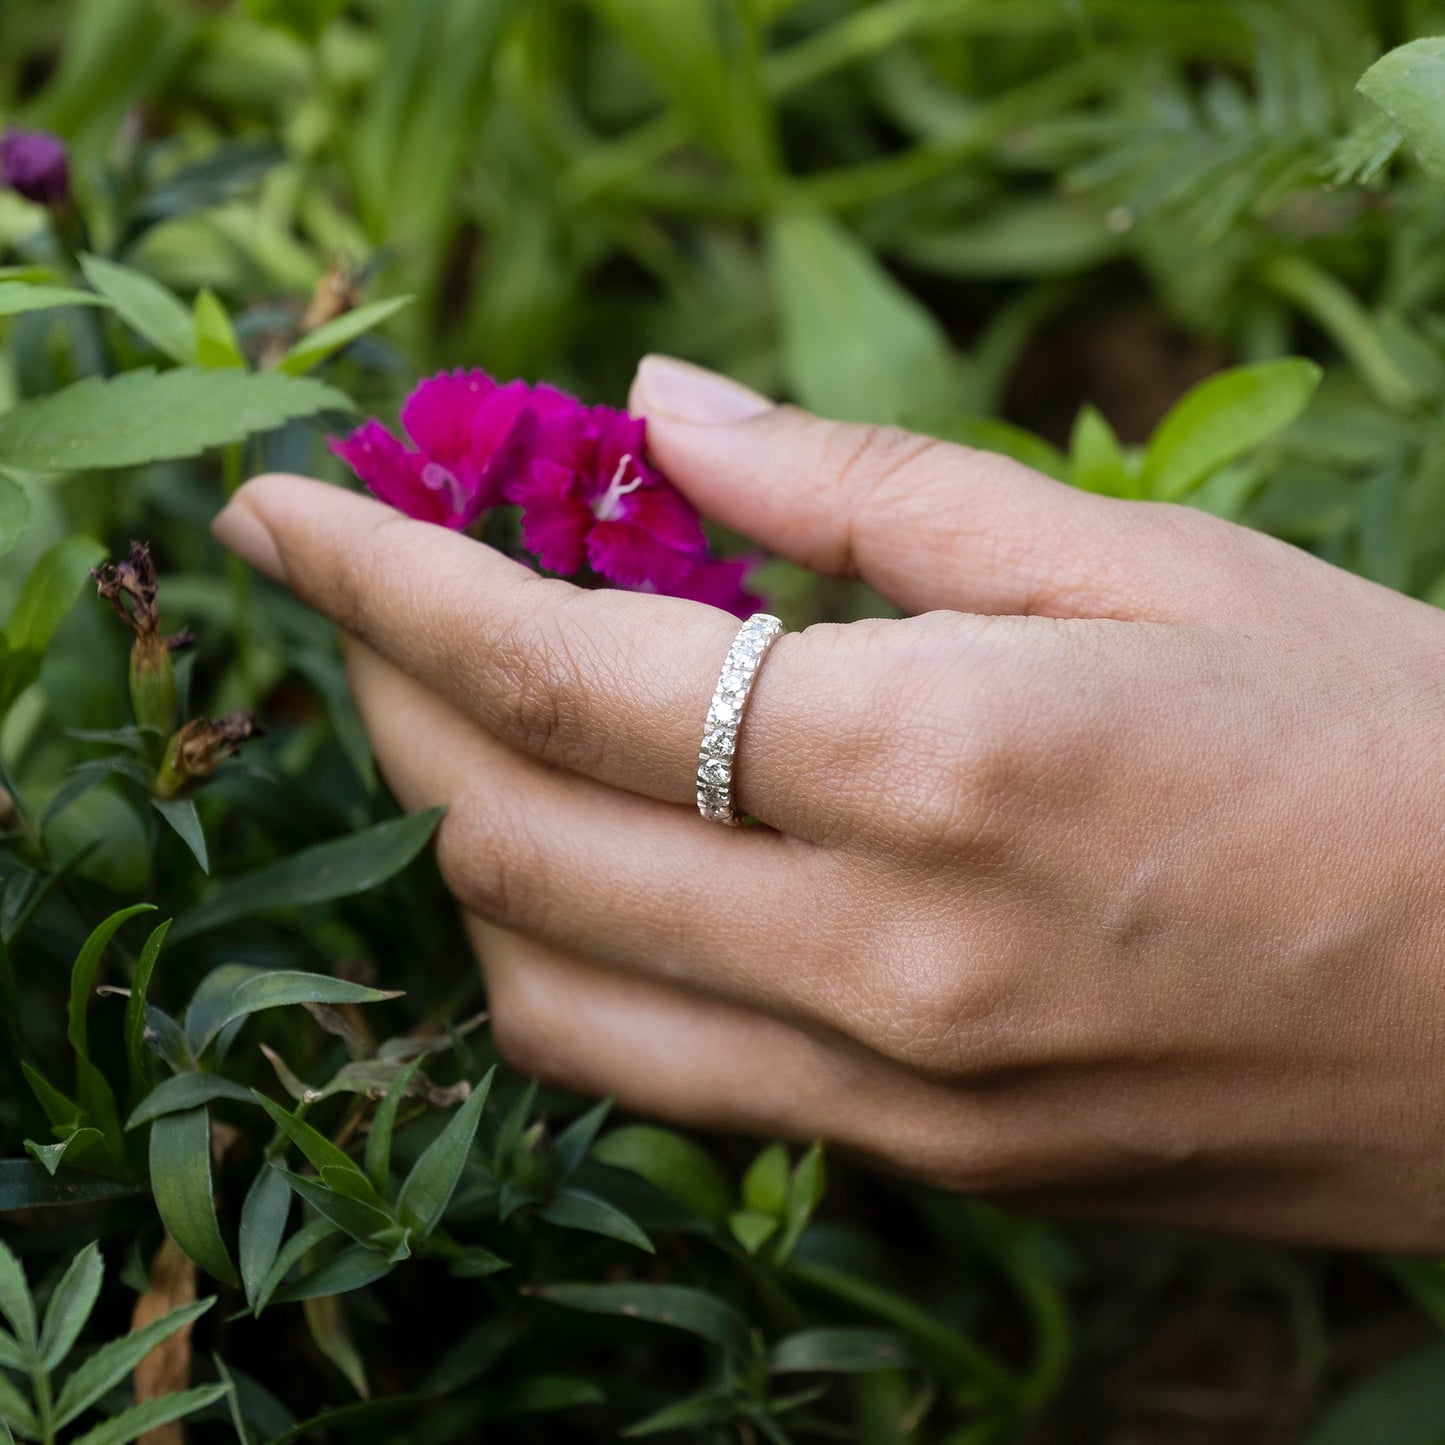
column 668, row 389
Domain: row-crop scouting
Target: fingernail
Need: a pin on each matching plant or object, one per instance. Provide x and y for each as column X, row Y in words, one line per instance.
column 677, row 389
column 238, row 527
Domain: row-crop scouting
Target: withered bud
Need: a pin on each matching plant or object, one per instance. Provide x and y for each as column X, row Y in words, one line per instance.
column 200, row 747
column 336, row 293
column 130, row 588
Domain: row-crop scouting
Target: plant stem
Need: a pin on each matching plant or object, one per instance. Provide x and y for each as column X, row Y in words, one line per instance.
column 44, row 1404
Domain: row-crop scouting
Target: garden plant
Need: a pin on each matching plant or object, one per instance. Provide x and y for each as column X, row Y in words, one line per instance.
column 263, row 1174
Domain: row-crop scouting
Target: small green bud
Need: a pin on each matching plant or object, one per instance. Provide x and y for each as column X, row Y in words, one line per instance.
column 534, row 1164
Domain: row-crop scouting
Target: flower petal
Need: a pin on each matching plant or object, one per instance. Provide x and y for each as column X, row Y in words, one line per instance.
column 659, row 509
column 633, row 557
column 555, row 517
column 441, row 413
column 393, row 473
column 718, row 581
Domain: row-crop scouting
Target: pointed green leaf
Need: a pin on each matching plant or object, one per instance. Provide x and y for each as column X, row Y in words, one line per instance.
column 76, row 1143
column 353, row 1268
column 186, row 1091
column 180, row 1160
column 840, row 1351
column 752, row 1229
column 765, row 1185
column 254, row 992
column 137, row 1055
column 1096, row 460
column 378, row 1141
column 215, row 337
column 433, row 1179
column 1222, row 418
column 362, row 1221
column 139, row 1419
column 313, row 348
column 62, row 1111
column 181, row 814
column 319, row 1151
column 805, row 1193
column 25, row 1185
column 576, row 1139
column 336, row 869
column 1407, row 84
column 681, row 1306
column 146, row 306
column 672, row 1163
column 15, row 1302
column 15, row 1411
column 580, row 1209
column 70, row 1306
column 311, row 1234
column 16, row 297
column 711, row 1406
column 50, row 591
column 263, row 1223
column 145, row 416
column 14, row 513
column 82, row 975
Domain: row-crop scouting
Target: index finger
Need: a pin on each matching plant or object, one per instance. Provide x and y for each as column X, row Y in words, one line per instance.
column 610, row 684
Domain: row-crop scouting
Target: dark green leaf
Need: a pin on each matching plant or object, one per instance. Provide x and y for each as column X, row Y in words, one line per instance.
column 77, row 1142
column 15, row 1301
column 186, row 1091
column 1402, row 1404
column 353, row 1268
column 82, row 974
column 305, row 19
column 378, row 1140
column 70, row 1306
column 139, row 1419
column 669, row 1304
column 362, row 1221
column 146, row 306
column 319, row 1151
column 428, row 1189
column 263, row 1223
column 180, row 1159
column 474, row 1262
column 577, row 1209
column 145, row 416
column 575, row 1140
column 15, row 1410
column 710, row 1407
column 311, row 1234
column 181, row 814
column 135, row 1010
column 248, row 991
column 671, row 1163
column 840, row 1351
column 318, row 874
column 25, row 1185
column 14, row 513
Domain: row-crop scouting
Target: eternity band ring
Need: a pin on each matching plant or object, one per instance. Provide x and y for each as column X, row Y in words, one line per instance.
column 725, row 716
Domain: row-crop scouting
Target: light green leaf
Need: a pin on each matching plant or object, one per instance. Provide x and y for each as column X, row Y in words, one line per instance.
column 304, row 19
column 49, row 1156
column 428, row 1189
column 671, row 1163
column 16, row 297
column 215, row 337
column 181, row 814
column 49, row 592
column 681, row 1306
column 337, row 869
column 840, row 1351
column 14, row 512
column 137, row 1055
column 257, row 992
column 82, row 974
column 313, row 348
column 186, row 1091
column 1221, row 419
column 180, row 1158
column 752, row 1229
column 805, row 1193
column 856, row 345
column 1408, row 84
column 131, row 1424
column 15, row 1410
column 1096, row 460
column 113, row 1361
column 765, row 1185
column 580, row 1209
column 15, row 1301
column 144, row 305
column 70, row 1306
column 146, row 416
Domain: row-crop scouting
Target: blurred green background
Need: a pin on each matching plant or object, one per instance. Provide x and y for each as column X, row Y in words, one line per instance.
column 1029, row 224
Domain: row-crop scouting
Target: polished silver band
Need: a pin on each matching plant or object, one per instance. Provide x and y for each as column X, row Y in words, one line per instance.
column 725, row 715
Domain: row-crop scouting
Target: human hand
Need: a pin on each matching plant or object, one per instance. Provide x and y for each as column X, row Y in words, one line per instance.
column 1111, row 883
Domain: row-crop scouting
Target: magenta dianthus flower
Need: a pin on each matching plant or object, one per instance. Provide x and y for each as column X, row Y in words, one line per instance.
column 589, row 497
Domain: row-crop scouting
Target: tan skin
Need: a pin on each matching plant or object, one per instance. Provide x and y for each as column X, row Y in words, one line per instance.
column 1109, row 882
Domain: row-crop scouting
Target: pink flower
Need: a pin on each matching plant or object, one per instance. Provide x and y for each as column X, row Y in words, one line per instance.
column 463, row 424
column 590, row 500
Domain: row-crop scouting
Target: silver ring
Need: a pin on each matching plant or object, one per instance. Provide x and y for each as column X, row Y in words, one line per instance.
column 725, row 716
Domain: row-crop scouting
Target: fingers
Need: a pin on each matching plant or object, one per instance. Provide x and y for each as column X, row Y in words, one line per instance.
column 930, row 525
column 614, row 685
column 644, row 888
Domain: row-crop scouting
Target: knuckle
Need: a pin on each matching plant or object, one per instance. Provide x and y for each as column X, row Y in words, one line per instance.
column 491, row 859
column 530, row 1035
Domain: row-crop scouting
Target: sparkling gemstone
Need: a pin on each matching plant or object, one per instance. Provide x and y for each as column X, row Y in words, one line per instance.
column 716, row 770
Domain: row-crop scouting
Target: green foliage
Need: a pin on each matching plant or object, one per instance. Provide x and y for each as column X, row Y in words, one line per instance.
column 1159, row 252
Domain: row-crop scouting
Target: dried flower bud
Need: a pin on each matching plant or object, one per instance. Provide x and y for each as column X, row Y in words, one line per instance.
column 336, row 293
column 200, row 747
column 36, row 164
column 130, row 588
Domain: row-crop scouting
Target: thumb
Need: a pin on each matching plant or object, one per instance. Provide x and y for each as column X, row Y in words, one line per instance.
column 926, row 523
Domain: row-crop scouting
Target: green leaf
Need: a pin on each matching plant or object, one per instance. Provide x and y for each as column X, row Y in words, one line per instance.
column 313, row 348
column 1222, row 418
column 326, row 871
column 186, row 1091
column 752, row 1229
column 581, row 1209
column 378, row 1140
column 428, row 1189
column 263, row 1223
column 671, row 1163
column 50, row 1156
column 25, row 1185
column 132, row 1423
column 765, row 1185
column 572, row 1144
column 14, row 513
column 1096, row 460
column 305, row 19
column 15, row 1410
column 855, row 344
column 474, row 1262
column 311, row 1234
column 180, row 1159
column 70, row 1306
column 1403, row 1404
column 50, row 591
column 840, row 1351
column 82, row 974
column 1408, row 84
column 144, row 305
column 680, row 1306
column 181, row 814
column 137, row 1055
column 101, row 1372
column 15, row 1301
column 361, row 1220
column 16, row 297
column 352, row 1268
column 256, row 992
column 805, row 1193
column 145, row 416
column 711, row 1406
column 319, row 1151
column 215, row 337
column 61, row 1110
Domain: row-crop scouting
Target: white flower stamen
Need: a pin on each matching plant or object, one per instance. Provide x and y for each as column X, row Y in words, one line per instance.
column 606, row 507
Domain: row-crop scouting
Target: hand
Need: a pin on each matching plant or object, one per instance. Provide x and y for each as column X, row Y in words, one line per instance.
column 1111, row 883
